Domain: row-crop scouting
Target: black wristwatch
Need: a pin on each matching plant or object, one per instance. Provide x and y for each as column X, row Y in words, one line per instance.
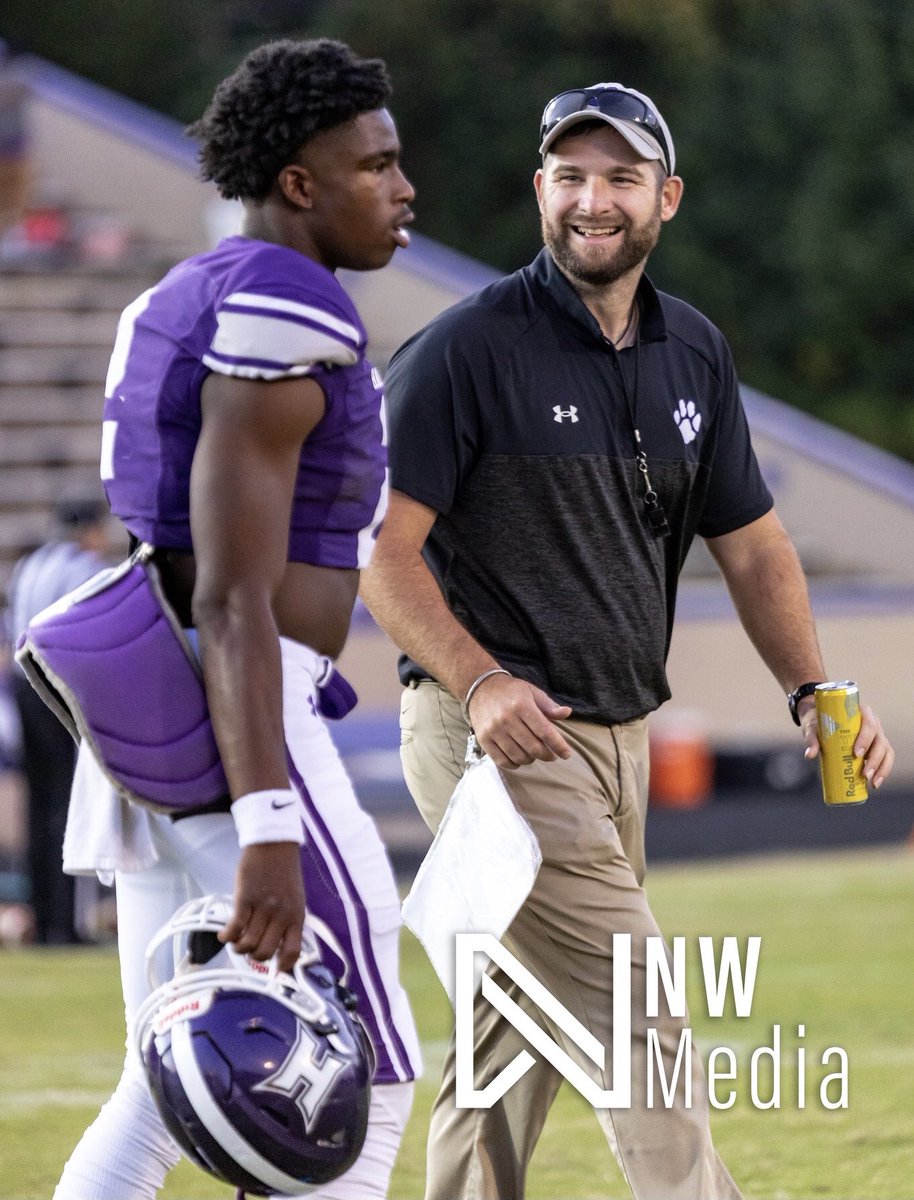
column 798, row 694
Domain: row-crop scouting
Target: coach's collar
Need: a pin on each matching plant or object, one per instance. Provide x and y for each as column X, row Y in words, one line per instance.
column 564, row 297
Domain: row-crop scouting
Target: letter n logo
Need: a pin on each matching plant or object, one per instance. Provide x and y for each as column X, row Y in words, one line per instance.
column 468, row 1096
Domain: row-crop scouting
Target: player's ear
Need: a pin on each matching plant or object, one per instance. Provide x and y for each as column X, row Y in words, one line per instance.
column 296, row 184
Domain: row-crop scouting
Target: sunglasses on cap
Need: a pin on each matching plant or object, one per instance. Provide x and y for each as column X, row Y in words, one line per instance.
column 611, row 102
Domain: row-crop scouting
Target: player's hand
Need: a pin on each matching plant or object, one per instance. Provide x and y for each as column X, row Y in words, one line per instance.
column 871, row 745
column 514, row 722
column 269, row 904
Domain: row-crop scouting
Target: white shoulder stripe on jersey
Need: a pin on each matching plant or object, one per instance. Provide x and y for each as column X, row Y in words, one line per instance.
column 263, row 371
column 306, row 311
column 247, row 338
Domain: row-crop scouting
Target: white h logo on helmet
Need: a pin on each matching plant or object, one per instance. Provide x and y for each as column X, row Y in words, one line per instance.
column 306, row 1076
column 562, row 413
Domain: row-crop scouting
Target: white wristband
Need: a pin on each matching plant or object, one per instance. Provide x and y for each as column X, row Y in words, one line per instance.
column 270, row 816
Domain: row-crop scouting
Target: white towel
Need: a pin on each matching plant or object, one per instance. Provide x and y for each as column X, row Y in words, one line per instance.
column 477, row 873
column 105, row 833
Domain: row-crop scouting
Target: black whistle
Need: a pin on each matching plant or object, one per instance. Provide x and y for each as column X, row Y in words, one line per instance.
column 658, row 522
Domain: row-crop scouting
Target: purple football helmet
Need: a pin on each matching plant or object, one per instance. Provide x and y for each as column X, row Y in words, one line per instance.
column 263, row 1078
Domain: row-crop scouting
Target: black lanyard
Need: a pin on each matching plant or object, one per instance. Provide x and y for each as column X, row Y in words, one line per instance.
column 656, row 517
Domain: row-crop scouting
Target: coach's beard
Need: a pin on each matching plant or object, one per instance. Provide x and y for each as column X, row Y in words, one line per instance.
column 637, row 243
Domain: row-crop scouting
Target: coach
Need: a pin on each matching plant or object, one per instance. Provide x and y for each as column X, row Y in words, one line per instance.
column 556, row 443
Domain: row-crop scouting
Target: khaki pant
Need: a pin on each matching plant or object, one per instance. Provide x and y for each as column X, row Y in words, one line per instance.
column 588, row 814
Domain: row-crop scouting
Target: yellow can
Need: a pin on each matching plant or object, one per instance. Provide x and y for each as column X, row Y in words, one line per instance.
column 838, row 713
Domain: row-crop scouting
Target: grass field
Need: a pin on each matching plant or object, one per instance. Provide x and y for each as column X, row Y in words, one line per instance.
column 837, row 956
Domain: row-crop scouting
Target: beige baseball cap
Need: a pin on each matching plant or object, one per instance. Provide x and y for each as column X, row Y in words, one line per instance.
column 633, row 114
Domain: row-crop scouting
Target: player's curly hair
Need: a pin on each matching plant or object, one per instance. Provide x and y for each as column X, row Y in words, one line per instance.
column 281, row 95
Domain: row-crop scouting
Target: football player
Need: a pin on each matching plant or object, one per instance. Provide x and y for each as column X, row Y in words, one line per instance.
column 242, row 439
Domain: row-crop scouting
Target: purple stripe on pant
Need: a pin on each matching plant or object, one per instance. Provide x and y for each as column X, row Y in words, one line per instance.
column 341, row 908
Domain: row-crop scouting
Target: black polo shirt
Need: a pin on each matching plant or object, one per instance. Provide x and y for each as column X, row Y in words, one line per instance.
column 513, row 417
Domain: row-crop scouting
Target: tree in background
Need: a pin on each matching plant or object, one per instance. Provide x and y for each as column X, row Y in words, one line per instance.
column 796, row 137
column 793, row 122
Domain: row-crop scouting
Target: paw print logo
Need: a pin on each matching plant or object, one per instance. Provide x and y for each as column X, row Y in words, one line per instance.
column 688, row 420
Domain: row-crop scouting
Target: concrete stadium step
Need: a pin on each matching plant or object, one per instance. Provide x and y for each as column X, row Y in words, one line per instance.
column 57, row 327
column 38, row 406
column 24, row 486
column 56, row 332
column 78, row 290
column 51, row 445
column 65, row 366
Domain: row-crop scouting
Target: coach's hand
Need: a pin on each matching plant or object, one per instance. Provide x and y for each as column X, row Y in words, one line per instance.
column 513, row 722
column 269, row 904
column 871, row 745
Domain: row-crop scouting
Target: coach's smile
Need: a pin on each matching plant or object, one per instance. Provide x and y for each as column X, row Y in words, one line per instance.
column 596, row 235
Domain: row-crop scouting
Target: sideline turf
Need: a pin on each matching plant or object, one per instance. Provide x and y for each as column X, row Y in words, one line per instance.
column 837, row 952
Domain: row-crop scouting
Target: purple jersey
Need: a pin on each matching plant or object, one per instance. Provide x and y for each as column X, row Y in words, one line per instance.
column 257, row 311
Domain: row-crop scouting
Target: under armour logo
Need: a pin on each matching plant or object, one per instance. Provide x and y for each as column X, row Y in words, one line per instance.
column 562, row 413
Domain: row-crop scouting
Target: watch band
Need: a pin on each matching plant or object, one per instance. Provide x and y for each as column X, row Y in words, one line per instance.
column 798, row 694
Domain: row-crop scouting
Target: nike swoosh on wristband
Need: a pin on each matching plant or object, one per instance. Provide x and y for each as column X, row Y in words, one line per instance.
column 278, row 806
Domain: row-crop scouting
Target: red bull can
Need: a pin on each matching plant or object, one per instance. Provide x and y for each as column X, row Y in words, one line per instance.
column 839, row 717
